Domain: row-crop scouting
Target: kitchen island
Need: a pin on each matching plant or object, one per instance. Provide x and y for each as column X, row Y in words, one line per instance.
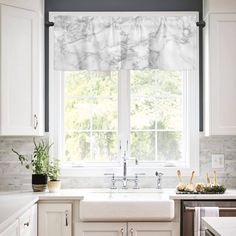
column 221, row 226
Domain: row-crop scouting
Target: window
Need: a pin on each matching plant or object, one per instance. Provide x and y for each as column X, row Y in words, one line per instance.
column 151, row 116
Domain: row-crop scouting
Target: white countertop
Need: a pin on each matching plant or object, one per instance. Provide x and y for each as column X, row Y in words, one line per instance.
column 13, row 204
column 230, row 194
column 221, row 226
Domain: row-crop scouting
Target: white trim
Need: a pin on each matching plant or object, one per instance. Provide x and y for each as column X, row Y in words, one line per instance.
column 124, row 113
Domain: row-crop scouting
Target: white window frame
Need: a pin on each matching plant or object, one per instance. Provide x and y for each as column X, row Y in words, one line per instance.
column 56, row 120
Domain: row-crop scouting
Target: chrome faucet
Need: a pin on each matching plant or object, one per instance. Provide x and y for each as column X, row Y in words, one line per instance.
column 124, row 171
column 125, row 179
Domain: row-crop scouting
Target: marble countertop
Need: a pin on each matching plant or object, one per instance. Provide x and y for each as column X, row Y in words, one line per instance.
column 221, row 226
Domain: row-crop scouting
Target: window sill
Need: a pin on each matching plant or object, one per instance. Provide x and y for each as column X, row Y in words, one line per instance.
column 82, row 171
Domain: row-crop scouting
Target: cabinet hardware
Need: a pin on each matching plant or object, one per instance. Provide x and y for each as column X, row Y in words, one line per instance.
column 36, row 122
column 122, row 232
column 67, row 219
column 131, row 232
column 26, row 224
column 220, row 208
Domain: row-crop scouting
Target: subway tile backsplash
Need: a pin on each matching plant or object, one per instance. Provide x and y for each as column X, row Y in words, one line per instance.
column 15, row 177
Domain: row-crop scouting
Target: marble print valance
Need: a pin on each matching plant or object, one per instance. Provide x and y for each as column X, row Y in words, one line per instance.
column 167, row 42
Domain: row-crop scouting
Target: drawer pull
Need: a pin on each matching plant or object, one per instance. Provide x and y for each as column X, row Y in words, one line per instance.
column 67, row 219
column 26, row 224
column 132, row 232
column 36, row 122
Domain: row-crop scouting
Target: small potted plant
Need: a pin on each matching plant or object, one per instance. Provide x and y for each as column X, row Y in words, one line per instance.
column 38, row 163
column 54, row 184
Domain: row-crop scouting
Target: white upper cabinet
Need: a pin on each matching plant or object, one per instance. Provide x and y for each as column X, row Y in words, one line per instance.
column 21, row 80
column 220, row 74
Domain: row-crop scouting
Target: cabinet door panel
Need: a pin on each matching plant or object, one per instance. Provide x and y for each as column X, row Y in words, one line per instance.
column 20, row 84
column 220, row 83
column 28, row 222
column 55, row 219
column 102, row 229
column 153, row 229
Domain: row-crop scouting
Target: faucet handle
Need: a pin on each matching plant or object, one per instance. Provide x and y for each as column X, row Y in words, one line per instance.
column 159, row 174
column 113, row 181
column 136, row 185
column 159, row 179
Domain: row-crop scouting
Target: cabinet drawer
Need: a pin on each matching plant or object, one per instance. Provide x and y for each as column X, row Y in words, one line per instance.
column 27, row 222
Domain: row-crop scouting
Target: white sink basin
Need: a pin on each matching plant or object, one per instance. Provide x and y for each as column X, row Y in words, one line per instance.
column 127, row 206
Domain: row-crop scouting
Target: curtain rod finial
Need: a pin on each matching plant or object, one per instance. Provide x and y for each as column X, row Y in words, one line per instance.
column 201, row 23
column 49, row 23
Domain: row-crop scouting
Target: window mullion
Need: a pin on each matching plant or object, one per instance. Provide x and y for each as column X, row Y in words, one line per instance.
column 124, row 112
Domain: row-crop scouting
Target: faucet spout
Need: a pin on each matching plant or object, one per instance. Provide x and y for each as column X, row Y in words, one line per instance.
column 124, row 171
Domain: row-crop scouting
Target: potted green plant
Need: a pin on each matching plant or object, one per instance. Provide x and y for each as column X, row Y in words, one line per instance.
column 54, row 184
column 38, row 163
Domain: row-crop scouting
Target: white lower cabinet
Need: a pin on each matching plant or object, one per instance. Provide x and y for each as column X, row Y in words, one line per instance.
column 153, row 229
column 129, row 229
column 102, row 229
column 28, row 222
column 12, row 230
column 55, row 219
column 25, row 225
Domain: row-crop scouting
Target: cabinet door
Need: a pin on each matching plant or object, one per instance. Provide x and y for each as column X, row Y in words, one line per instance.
column 28, row 222
column 102, row 229
column 12, row 230
column 220, row 73
column 21, row 85
column 153, row 229
column 55, row 219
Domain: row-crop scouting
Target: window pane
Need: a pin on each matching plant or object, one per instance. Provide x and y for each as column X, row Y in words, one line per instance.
column 104, row 83
column 169, row 146
column 104, row 146
column 105, row 114
column 169, row 114
column 143, row 145
column 142, row 83
column 169, row 83
column 143, row 114
column 77, row 114
column 77, row 146
column 77, row 83
column 157, row 105
column 90, row 104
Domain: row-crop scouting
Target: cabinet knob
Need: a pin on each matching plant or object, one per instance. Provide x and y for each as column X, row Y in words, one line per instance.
column 36, row 122
column 122, row 232
column 131, row 232
column 26, row 224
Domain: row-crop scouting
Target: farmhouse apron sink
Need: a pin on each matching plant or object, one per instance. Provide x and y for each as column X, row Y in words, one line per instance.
column 127, row 206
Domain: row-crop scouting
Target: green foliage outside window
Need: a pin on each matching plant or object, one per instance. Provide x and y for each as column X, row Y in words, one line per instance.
column 91, row 115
